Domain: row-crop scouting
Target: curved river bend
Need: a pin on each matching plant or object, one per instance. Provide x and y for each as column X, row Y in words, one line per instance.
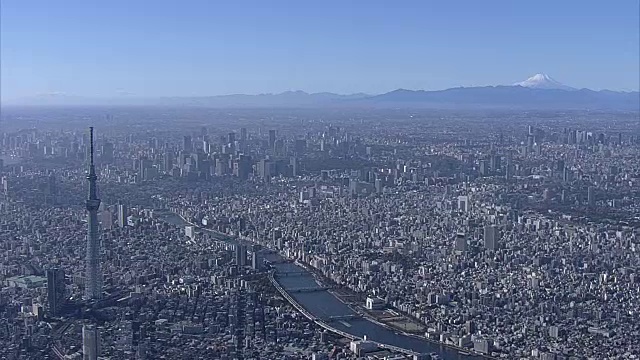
column 322, row 304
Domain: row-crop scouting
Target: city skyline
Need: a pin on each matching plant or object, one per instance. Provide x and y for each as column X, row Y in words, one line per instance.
column 229, row 48
column 414, row 180
column 351, row 234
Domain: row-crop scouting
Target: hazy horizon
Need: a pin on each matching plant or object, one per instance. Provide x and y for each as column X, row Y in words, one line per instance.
column 206, row 49
column 124, row 95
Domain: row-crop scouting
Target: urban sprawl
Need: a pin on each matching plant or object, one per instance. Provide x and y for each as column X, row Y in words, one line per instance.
column 319, row 234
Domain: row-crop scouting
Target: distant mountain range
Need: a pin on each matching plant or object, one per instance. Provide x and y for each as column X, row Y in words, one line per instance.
column 537, row 92
column 543, row 81
column 285, row 99
column 511, row 97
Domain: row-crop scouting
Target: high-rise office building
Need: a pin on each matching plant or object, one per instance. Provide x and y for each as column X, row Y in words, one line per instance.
column 484, row 168
column 154, row 143
column 272, row 139
column 51, row 194
column 222, row 166
column 495, row 163
column 470, row 327
column 256, row 261
column 187, row 144
column 106, row 219
column 460, row 243
column 207, row 147
column 300, row 146
column 530, row 143
column 279, row 147
column 463, row 203
column 256, row 257
column 231, row 138
column 567, row 175
column 243, row 134
column 90, row 343
column 241, row 255
column 508, row 170
column 293, row 163
column 106, row 155
column 52, row 185
column 319, row 356
column 264, row 169
column 190, row 232
column 591, row 196
column 122, row 215
column 145, row 169
column 167, row 161
column 242, row 167
column 55, row 290
column 490, row 234
column 5, row 185
column 141, row 352
column 93, row 283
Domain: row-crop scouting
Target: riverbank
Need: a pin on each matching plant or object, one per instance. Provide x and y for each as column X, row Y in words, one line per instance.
column 360, row 310
column 325, row 304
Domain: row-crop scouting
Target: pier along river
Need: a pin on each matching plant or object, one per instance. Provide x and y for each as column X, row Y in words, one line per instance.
column 324, row 306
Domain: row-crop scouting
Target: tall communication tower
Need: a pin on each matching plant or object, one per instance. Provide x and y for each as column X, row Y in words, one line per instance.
column 93, row 284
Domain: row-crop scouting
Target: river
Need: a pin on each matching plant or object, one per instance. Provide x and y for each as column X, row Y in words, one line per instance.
column 324, row 305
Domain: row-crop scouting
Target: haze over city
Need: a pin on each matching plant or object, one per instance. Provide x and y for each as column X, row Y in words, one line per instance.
column 297, row 180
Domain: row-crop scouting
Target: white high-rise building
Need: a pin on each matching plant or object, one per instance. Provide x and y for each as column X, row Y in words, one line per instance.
column 122, row 215
column 90, row 343
column 190, row 232
column 463, row 203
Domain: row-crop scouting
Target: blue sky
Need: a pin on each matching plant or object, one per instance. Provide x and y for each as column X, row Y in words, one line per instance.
column 198, row 47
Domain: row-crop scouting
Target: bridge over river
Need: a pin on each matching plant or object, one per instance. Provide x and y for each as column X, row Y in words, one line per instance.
column 298, row 285
column 323, row 307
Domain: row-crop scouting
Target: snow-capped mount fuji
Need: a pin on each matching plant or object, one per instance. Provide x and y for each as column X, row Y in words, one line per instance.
column 543, row 81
